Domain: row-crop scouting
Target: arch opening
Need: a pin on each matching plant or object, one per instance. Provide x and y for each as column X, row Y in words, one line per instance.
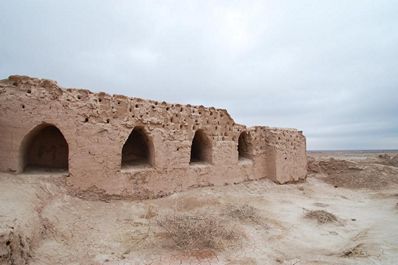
column 45, row 149
column 201, row 150
column 244, row 147
column 137, row 150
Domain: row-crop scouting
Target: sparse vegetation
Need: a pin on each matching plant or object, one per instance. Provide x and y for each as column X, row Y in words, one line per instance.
column 356, row 251
column 244, row 213
column 321, row 216
column 190, row 232
column 150, row 212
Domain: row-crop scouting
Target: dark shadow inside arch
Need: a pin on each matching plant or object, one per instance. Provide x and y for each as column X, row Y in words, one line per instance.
column 201, row 150
column 137, row 150
column 45, row 149
column 244, row 147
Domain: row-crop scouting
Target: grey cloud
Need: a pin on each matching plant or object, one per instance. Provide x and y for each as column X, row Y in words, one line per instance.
column 328, row 68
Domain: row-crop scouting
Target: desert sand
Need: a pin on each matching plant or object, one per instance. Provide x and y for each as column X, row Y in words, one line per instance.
column 345, row 212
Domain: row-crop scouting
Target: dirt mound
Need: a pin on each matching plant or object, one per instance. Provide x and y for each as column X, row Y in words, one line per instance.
column 331, row 166
column 347, row 174
column 388, row 160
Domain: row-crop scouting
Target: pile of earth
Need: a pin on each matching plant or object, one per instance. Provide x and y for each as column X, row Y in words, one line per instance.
column 355, row 175
column 388, row 160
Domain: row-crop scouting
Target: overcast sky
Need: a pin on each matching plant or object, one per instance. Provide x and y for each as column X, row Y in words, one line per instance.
column 329, row 68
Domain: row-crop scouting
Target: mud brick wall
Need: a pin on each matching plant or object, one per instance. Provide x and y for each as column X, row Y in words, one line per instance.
column 120, row 146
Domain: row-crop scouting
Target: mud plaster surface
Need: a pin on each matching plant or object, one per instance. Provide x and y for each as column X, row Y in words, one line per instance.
column 96, row 126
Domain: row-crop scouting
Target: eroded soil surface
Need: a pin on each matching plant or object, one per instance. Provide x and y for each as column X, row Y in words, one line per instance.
column 351, row 199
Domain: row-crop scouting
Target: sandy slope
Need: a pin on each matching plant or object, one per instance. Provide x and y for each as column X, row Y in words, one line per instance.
column 57, row 228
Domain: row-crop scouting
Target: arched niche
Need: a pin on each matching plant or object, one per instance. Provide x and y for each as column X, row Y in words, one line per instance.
column 44, row 149
column 138, row 149
column 201, row 148
column 245, row 148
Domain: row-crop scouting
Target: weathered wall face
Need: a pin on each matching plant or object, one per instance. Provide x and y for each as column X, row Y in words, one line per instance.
column 96, row 127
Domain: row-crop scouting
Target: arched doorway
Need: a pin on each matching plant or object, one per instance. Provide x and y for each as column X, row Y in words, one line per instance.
column 45, row 149
column 137, row 150
column 201, row 150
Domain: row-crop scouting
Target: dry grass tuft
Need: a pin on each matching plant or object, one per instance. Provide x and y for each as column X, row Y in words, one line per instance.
column 321, row 216
column 357, row 251
column 150, row 212
column 244, row 213
column 198, row 232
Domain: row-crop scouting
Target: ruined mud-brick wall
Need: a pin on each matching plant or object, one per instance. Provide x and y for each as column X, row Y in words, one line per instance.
column 97, row 125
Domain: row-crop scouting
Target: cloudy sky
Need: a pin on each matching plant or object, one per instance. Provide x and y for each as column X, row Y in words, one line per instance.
column 329, row 68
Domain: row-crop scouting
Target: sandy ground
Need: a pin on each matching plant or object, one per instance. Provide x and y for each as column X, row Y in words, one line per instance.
column 40, row 223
